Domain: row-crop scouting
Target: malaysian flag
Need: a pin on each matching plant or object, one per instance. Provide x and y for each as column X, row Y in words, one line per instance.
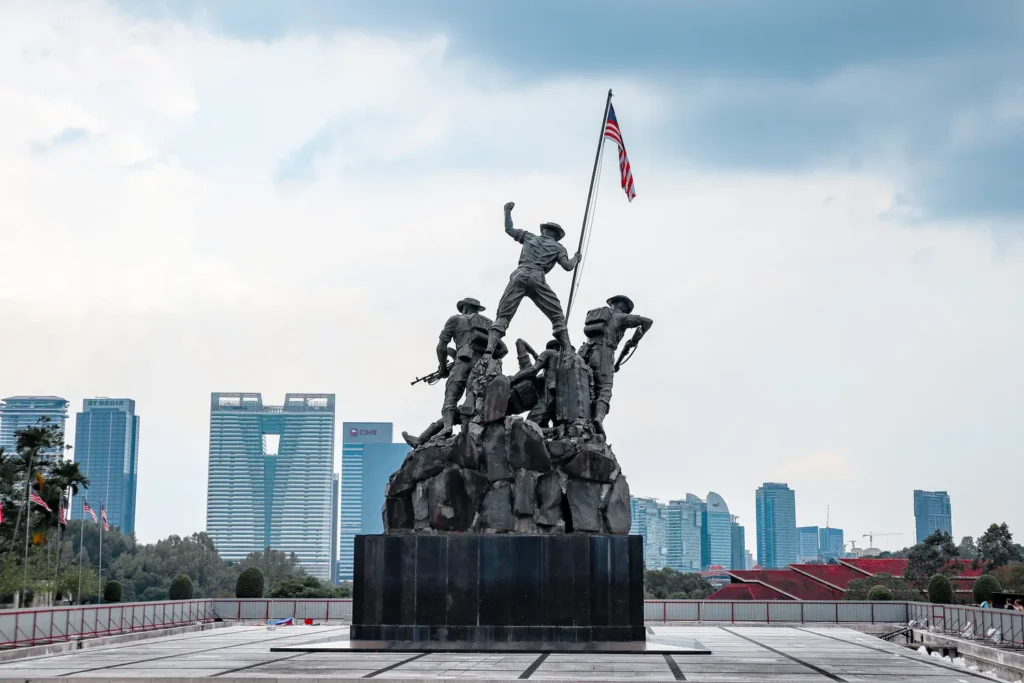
column 103, row 514
column 612, row 132
column 34, row 497
column 62, row 519
column 88, row 510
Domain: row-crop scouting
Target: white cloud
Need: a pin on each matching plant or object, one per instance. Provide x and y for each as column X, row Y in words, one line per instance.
column 162, row 259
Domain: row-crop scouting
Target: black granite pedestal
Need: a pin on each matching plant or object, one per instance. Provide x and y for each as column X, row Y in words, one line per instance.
column 498, row 588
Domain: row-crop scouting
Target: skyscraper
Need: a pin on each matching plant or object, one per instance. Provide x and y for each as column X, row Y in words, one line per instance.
column 18, row 412
column 335, row 529
column 739, row 545
column 776, row 526
column 260, row 496
column 932, row 512
column 649, row 522
column 831, row 542
column 716, row 543
column 368, row 458
column 807, row 544
column 107, row 451
column 683, row 521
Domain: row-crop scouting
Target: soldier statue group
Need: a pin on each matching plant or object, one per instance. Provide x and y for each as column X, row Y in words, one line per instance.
column 475, row 338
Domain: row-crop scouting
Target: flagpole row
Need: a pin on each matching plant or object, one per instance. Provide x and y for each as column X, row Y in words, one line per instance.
column 590, row 197
column 81, row 558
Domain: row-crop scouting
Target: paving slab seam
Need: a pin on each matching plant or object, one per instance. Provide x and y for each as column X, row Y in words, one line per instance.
column 677, row 673
column 257, row 664
column 533, row 667
column 91, row 644
column 912, row 658
column 373, row 674
column 177, row 654
column 810, row 666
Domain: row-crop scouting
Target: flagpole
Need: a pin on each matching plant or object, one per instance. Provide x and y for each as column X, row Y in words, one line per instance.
column 81, row 557
column 56, row 565
column 28, row 524
column 590, row 197
column 99, row 571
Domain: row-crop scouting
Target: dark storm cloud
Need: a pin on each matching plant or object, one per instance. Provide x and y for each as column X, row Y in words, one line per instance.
column 797, row 83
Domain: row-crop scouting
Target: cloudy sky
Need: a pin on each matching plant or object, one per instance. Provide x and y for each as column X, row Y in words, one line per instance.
column 265, row 196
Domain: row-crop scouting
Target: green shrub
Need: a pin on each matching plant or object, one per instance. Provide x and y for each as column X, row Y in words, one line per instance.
column 181, row 588
column 879, row 593
column 984, row 587
column 249, row 583
column 940, row 590
column 112, row 591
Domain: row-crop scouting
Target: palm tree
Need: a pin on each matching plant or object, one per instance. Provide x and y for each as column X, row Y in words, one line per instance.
column 67, row 475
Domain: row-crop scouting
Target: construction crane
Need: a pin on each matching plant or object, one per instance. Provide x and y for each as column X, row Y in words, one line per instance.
column 871, row 537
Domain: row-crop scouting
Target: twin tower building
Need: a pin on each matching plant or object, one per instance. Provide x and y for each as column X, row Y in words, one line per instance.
column 272, row 482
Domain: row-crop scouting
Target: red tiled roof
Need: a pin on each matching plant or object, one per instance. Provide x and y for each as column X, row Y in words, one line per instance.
column 896, row 567
column 874, row 565
column 836, row 575
column 746, row 591
column 790, row 583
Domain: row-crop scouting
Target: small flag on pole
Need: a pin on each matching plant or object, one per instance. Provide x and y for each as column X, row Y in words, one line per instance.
column 62, row 519
column 34, row 497
column 103, row 514
column 88, row 510
column 612, row 132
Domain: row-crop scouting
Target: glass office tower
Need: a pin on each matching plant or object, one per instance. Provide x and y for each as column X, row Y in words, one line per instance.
column 272, row 498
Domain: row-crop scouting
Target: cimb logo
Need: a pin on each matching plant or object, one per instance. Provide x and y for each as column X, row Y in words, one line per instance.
column 362, row 432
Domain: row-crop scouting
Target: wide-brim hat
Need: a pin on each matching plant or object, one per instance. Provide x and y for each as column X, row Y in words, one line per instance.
column 469, row 301
column 624, row 299
column 556, row 227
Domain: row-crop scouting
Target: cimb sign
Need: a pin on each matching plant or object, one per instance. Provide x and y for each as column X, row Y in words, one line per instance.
column 362, row 432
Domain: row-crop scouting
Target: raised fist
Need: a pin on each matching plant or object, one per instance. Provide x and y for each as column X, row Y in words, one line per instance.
column 509, row 206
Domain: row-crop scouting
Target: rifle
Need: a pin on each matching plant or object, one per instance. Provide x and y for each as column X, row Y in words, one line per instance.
column 627, row 352
column 435, row 376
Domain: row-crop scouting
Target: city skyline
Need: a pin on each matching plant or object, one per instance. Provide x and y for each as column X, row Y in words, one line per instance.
column 827, row 270
column 829, row 537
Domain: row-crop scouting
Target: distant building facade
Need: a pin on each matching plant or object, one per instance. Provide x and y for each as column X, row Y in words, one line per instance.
column 107, row 451
column 368, row 458
column 649, row 522
column 739, row 545
column 776, row 526
column 18, row 412
column 807, row 544
column 716, row 543
column 831, row 543
column 932, row 512
column 280, row 500
column 683, row 529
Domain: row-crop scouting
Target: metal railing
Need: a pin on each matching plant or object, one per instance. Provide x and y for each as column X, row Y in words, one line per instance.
column 46, row 625
column 266, row 609
column 999, row 627
column 776, row 611
column 57, row 624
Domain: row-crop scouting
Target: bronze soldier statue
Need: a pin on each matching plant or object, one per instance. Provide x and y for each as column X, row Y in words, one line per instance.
column 469, row 330
column 604, row 329
column 543, row 413
column 539, row 255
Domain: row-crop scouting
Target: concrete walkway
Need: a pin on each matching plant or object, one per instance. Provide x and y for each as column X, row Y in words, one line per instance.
column 739, row 655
